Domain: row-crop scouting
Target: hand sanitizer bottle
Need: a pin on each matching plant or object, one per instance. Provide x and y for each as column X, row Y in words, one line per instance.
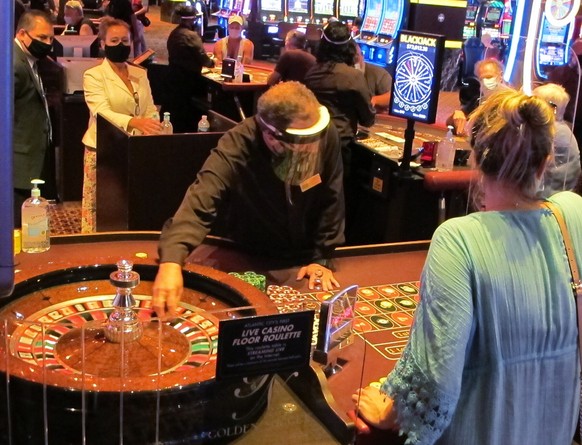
column 203, row 124
column 35, row 221
column 167, row 127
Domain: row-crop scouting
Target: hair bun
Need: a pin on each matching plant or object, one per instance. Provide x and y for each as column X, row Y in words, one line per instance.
column 532, row 111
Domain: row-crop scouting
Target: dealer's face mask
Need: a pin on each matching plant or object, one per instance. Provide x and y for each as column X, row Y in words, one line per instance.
column 296, row 152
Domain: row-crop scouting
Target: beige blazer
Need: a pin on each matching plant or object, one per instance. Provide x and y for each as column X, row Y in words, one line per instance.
column 106, row 94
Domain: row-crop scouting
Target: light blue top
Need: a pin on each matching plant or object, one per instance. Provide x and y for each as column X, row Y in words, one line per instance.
column 492, row 357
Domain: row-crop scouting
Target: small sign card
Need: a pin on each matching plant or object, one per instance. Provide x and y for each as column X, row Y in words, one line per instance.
column 264, row 345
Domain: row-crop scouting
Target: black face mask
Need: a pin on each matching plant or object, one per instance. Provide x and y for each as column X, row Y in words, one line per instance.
column 38, row 49
column 118, row 53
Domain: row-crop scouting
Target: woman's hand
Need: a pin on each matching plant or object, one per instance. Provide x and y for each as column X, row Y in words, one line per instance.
column 375, row 408
column 167, row 291
column 319, row 276
column 147, row 126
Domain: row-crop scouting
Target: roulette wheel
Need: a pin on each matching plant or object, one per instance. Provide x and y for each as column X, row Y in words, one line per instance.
column 72, row 373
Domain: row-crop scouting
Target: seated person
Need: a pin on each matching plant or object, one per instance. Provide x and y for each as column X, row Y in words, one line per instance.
column 234, row 45
column 294, row 62
column 186, row 57
column 76, row 22
column 378, row 79
column 489, row 72
column 563, row 170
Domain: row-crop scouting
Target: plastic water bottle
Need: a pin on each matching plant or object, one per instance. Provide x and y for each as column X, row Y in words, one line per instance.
column 167, row 127
column 239, row 70
column 203, row 124
column 445, row 156
column 35, row 221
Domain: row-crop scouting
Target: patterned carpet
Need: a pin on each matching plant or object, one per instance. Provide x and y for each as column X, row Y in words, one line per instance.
column 65, row 218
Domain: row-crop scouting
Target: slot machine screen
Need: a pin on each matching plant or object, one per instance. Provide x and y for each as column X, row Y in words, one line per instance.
column 471, row 13
column 416, row 80
column 493, row 32
column 271, row 5
column 323, row 7
column 298, row 6
column 246, row 7
column 392, row 20
column 493, row 15
column 373, row 15
column 552, row 45
column 348, row 8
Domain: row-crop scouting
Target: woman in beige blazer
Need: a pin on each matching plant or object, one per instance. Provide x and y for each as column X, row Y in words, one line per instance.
column 121, row 93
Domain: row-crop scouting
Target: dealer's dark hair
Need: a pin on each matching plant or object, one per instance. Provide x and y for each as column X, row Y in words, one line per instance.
column 285, row 102
column 336, row 44
column 27, row 20
column 512, row 135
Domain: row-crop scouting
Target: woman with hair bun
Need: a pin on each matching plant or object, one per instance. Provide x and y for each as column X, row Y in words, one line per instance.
column 492, row 356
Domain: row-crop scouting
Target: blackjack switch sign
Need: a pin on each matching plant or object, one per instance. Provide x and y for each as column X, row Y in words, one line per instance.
column 416, row 80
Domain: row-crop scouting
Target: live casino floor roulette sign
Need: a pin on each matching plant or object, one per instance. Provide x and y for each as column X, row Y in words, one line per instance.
column 70, row 376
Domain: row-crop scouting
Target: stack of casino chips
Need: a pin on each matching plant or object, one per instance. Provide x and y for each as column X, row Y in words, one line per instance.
column 255, row 279
column 286, row 298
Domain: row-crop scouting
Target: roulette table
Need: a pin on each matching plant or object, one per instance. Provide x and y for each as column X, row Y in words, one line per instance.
column 62, row 298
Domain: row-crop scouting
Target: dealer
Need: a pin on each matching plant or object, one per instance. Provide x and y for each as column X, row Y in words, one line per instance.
column 278, row 176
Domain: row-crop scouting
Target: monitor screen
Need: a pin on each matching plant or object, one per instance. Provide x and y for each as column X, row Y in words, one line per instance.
column 493, row 32
column 471, row 13
column 324, row 7
column 348, row 8
column 416, row 80
column 271, row 5
column 272, row 29
column 493, row 15
column 298, row 6
column 374, row 10
column 553, row 55
column 76, row 46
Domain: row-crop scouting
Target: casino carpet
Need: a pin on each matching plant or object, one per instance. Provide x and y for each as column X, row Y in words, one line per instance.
column 66, row 217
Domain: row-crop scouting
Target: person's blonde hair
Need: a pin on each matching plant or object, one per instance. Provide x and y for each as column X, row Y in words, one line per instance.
column 555, row 95
column 285, row 102
column 107, row 22
column 512, row 135
column 75, row 4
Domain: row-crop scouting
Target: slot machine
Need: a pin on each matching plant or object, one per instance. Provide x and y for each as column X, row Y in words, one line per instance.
column 489, row 19
column 223, row 13
column 369, row 29
column 554, row 39
column 322, row 10
column 540, row 36
column 348, row 10
column 299, row 11
column 394, row 19
column 271, row 12
column 470, row 28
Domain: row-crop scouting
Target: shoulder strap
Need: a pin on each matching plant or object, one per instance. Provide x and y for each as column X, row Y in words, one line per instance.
column 576, row 284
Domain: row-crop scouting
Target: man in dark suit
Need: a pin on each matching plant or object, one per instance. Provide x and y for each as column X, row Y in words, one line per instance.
column 32, row 127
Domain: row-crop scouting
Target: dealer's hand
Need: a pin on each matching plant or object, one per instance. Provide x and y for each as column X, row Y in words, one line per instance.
column 167, row 291
column 375, row 408
column 318, row 276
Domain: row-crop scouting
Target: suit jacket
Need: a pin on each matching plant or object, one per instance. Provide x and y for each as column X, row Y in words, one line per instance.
column 31, row 122
column 106, row 94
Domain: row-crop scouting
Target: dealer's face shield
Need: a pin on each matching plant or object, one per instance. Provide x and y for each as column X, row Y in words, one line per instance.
column 296, row 150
